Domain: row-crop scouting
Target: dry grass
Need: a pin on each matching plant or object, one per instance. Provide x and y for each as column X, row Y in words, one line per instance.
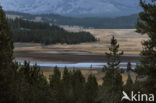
column 129, row 40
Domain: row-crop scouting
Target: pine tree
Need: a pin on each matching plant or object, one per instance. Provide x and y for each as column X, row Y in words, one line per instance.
column 55, row 79
column 129, row 81
column 67, row 86
column 6, row 57
column 113, row 57
column 129, row 85
column 31, row 85
column 56, row 86
column 129, row 67
column 146, row 25
column 112, row 81
column 6, row 44
column 91, row 89
column 78, row 85
column 66, row 76
column 128, row 88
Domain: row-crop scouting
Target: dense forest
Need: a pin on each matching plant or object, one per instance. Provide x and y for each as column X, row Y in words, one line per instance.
column 27, row 84
column 122, row 22
column 38, row 32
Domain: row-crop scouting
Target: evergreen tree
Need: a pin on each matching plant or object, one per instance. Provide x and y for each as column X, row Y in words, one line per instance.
column 56, row 86
column 91, row 89
column 113, row 57
column 67, row 86
column 31, row 85
column 128, row 88
column 44, row 33
column 78, row 85
column 6, row 44
column 6, row 57
column 55, row 79
column 129, row 82
column 146, row 25
column 112, row 82
column 66, row 76
column 129, row 67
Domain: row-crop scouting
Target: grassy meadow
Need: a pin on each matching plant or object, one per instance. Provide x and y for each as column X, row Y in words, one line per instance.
column 129, row 40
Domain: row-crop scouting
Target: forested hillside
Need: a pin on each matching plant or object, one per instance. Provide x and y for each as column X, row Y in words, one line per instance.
column 122, row 22
column 38, row 32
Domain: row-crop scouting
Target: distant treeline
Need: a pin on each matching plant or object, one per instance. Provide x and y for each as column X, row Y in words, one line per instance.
column 39, row 32
column 122, row 22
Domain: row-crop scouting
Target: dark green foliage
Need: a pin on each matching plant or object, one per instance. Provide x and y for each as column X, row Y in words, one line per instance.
column 129, row 82
column 70, row 88
column 55, row 79
column 6, row 44
column 31, row 85
column 129, row 66
column 122, row 22
column 111, row 90
column 146, row 25
column 6, row 57
column 38, row 32
column 91, row 90
column 95, row 22
column 114, row 55
column 129, row 87
column 66, row 76
column 56, row 86
column 78, row 85
column 67, row 86
column 112, row 82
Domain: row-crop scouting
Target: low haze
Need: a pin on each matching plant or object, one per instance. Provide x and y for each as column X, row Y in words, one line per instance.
column 74, row 8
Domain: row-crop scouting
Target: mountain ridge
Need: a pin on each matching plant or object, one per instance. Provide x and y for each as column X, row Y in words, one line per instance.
column 122, row 22
column 73, row 8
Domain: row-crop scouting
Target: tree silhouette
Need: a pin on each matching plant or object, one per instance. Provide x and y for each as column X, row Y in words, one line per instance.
column 146, row 26
column 112, row 81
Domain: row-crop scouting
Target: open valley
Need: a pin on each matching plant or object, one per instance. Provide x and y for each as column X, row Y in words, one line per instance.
column 85, row 53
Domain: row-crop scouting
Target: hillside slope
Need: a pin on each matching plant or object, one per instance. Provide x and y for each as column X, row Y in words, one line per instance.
column 38, row 32
column 122, row 22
